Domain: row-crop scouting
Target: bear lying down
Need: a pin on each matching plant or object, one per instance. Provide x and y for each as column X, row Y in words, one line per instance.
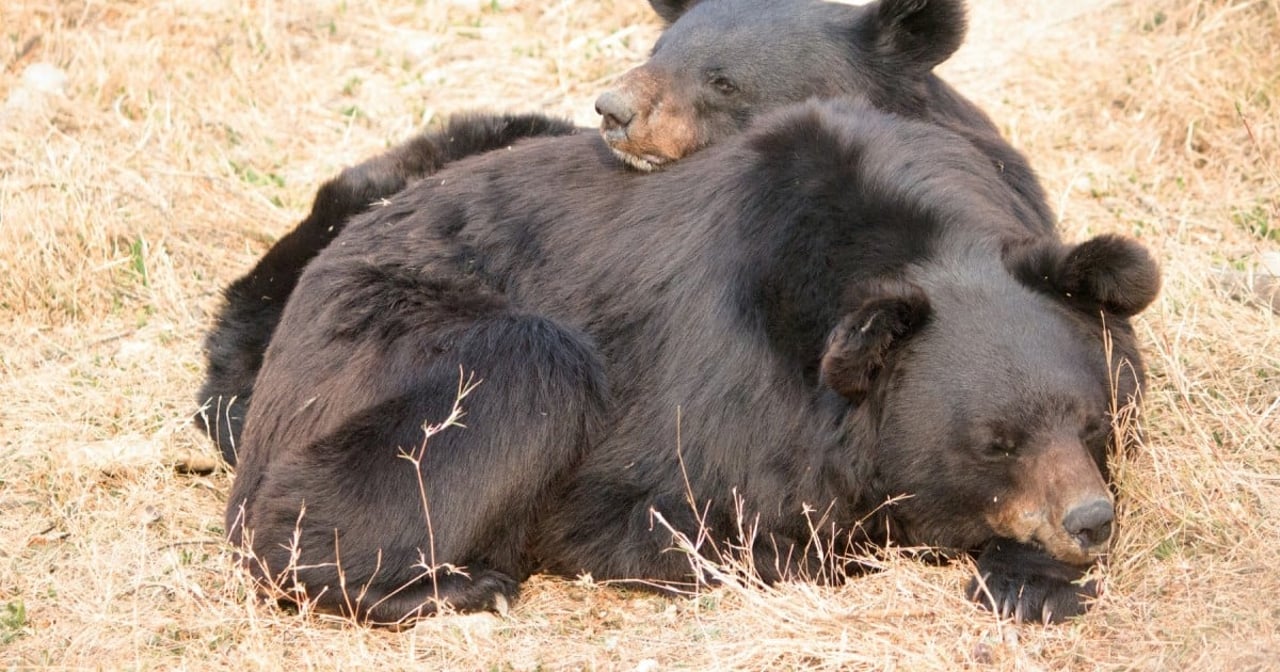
column 718, row 65
column 835, row 309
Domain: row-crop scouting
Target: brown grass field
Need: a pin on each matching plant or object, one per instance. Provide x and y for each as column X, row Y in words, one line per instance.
column 188, row 135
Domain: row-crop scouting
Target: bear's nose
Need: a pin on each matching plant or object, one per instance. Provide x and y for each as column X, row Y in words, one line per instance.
column 1090, row 523
column 616, row 111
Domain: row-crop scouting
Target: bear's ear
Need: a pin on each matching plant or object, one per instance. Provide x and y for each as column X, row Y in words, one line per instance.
column 1115, row 272
column 1109, row 272
column 918, row 34
column 860, row 345
column 670, row 10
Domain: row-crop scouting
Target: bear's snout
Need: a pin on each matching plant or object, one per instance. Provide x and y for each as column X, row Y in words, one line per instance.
column 1059, row 501
column 647, row 121
column 616, row 111
column 1090, row 523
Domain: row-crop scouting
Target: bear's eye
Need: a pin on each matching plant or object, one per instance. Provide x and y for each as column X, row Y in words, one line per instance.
column 724, row 85
column 1000, row 448
column 1095, row 432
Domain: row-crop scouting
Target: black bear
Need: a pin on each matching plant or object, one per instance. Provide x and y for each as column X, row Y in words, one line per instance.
column 833, row 310
column 716, row 66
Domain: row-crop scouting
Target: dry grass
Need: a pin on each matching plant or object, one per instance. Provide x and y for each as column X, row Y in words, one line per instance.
column 190, row 134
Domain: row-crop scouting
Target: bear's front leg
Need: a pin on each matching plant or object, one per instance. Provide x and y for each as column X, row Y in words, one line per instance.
column 1020, row 581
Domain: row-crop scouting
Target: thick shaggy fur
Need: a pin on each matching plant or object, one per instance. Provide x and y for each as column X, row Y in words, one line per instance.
column 243, row 326
column 836, row 308
column 717, row 66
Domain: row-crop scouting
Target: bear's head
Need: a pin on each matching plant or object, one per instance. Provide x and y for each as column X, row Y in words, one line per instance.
column 722, row 62
column 995, row 379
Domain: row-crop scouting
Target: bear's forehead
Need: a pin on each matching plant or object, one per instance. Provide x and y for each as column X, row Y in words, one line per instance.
column 727, row 13
column 987, row 329
column 724, row 26
column 1004, row 378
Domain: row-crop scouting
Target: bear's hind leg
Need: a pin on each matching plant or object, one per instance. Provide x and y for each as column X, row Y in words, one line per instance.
column 393, row 521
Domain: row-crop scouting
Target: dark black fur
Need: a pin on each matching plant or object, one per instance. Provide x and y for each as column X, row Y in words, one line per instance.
column 244, row 324
column 820, row 314
column 774, row 53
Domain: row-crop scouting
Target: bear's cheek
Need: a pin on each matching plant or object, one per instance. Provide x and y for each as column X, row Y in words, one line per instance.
column 941, row 495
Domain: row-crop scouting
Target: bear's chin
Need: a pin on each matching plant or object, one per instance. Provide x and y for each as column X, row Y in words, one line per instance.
column 1074, row 557
column 645, row 164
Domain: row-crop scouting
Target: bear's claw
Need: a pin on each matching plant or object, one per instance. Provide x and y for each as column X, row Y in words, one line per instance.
column 1023, row 583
